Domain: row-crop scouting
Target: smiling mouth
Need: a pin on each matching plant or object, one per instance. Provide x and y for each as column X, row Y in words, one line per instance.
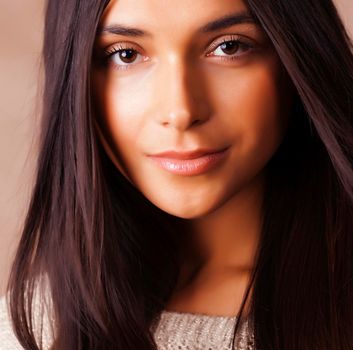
column 189, row 163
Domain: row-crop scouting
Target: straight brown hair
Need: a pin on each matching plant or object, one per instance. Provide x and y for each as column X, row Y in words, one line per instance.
column 110, row 274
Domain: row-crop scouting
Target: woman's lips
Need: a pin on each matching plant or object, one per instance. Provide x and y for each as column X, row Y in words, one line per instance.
column 192, row 163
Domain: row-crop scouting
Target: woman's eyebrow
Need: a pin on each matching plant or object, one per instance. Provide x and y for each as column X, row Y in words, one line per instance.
column 220, row 23
column 120, row 29
column 228, row 21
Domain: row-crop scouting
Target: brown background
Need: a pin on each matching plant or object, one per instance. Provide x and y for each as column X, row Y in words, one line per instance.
column 21, row 23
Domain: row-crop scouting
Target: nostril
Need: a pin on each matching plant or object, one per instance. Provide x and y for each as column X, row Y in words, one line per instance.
column 196, row 121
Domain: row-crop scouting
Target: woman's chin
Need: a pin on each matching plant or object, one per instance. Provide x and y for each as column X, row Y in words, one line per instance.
column 186, row 212
column 188, row 208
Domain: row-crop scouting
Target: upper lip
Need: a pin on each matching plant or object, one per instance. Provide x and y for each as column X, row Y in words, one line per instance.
column 187, row 154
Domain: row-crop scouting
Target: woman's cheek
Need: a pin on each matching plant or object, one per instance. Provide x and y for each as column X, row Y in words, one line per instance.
column 125, row 102
column 248, row 102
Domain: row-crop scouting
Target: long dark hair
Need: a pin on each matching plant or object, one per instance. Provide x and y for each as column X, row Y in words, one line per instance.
column 111, row 257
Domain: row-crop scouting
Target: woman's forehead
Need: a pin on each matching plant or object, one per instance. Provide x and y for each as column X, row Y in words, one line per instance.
column 172, row 15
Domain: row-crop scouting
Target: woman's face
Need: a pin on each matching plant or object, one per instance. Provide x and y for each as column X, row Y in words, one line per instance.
column 186, row 75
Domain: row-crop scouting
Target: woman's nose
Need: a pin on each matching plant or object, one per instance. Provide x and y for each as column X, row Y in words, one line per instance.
column 181, row 96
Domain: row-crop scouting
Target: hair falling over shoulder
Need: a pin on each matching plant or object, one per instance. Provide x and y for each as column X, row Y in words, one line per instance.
column 110, row 274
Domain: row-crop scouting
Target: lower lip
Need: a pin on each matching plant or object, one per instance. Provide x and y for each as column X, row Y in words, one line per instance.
column 189, row 167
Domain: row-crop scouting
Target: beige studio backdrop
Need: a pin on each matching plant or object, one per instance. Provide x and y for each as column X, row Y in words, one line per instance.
column 21, row 27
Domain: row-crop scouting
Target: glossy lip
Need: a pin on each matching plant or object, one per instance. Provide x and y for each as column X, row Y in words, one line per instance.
column 189, row 163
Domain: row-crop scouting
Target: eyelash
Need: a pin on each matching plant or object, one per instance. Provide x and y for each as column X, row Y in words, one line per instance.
column 241, row 44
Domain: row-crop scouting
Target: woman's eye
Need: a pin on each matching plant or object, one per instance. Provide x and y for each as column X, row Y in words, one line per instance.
column 124, row 57
column 231, row 49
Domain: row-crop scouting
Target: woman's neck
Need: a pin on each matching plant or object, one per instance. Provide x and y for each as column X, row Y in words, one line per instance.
column 229, row 236
column 219, row 253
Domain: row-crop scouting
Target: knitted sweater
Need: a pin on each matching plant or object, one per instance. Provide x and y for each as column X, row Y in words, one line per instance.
column 172, row 330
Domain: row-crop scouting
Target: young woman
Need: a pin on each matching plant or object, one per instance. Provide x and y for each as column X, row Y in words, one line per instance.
column 195, row 179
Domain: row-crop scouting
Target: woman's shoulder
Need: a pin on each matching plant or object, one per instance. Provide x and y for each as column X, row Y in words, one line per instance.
column 42, row 319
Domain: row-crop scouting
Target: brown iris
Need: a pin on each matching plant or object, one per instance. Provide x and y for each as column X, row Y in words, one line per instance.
column 229, row 47
column 127, row 55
